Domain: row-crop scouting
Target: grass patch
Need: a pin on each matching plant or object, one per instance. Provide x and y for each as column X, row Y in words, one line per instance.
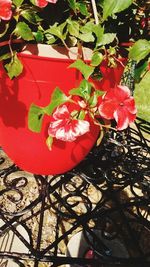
column 142, row 97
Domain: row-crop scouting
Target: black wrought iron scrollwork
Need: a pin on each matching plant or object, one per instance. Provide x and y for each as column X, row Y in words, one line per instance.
column 12, row 194
column 106, row 198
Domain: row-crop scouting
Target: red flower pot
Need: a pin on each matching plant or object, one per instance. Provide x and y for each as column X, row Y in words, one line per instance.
column 35, row 85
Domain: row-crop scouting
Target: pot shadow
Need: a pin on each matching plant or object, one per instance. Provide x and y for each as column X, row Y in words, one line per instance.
column 37, row 50
column 78, row 149
column 12, row 111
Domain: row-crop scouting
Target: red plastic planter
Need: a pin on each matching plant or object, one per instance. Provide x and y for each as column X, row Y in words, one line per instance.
column 27, row 149
column 35, row 85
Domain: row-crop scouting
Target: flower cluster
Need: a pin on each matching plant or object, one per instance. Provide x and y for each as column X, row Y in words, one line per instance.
column 118, row 104
column 64, row 127
column 6, row 7
column 84, row 105
column 44, row 3
column 115, row 104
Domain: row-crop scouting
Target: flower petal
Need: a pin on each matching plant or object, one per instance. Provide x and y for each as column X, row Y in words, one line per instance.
column 64, row 135
column 131, row 117
column 54, row 126
column 121, row 117
column 72, row 130
column 5, row 9
column 81, row 127
column 122, row 92
column 52, row 1
column 118, row 93
column 107, row 108
column 44, row 3
column 61, row 113
column 41, row 3
column 130, row 105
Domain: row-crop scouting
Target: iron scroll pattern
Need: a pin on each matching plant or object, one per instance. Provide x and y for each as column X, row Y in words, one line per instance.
column 105, row 201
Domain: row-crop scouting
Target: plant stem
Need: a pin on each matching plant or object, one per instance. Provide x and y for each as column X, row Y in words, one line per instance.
column 95, row 11
column 15, row 41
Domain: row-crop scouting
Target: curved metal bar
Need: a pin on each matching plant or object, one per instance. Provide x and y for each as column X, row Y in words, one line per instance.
column 106, row 197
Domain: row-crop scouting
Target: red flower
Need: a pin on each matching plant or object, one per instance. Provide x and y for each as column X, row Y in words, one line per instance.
column 5, row 9
column 145, row 22
column 44, row 3
column 118, row 104
column 64, row 128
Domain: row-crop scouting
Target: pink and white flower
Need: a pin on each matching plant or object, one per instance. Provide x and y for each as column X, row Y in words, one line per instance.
column 118, row 104
column 64, row 128
column 5, row 9
column 44, row 3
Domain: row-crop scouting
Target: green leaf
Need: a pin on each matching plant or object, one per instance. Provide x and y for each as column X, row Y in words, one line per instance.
column 18, row 2
column 73, row 27
column 97, row 58
column 72, row 4
column 114, row 6
column 39, row 37
column 122, row 5
column 140, row 71
column 22, row 30
column 84, row 90
column 93, row 100
column 85, row 69
column 82, row 8
column 50, row 38
column 99, row 32
column 103, row 39
column 58, row 30
column 58, row 98
column 5, row 56
column 99, row 92
column 81, row 115
column 139, row 50
column 88, row 27
column 35, row 118
column 49, row 142
column 14, row 68
column 111, row 51
column 86, row 37
column 107, row 38
column 72, row 41
column 31, row 16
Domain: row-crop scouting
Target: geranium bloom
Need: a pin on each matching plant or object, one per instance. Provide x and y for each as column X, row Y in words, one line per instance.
column 5, row 9
column 44, row 3
column 64, row 128
column 118, row 104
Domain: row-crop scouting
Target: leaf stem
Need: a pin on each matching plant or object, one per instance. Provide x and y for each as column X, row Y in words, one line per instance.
column 10, row 48
column 3, row 33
